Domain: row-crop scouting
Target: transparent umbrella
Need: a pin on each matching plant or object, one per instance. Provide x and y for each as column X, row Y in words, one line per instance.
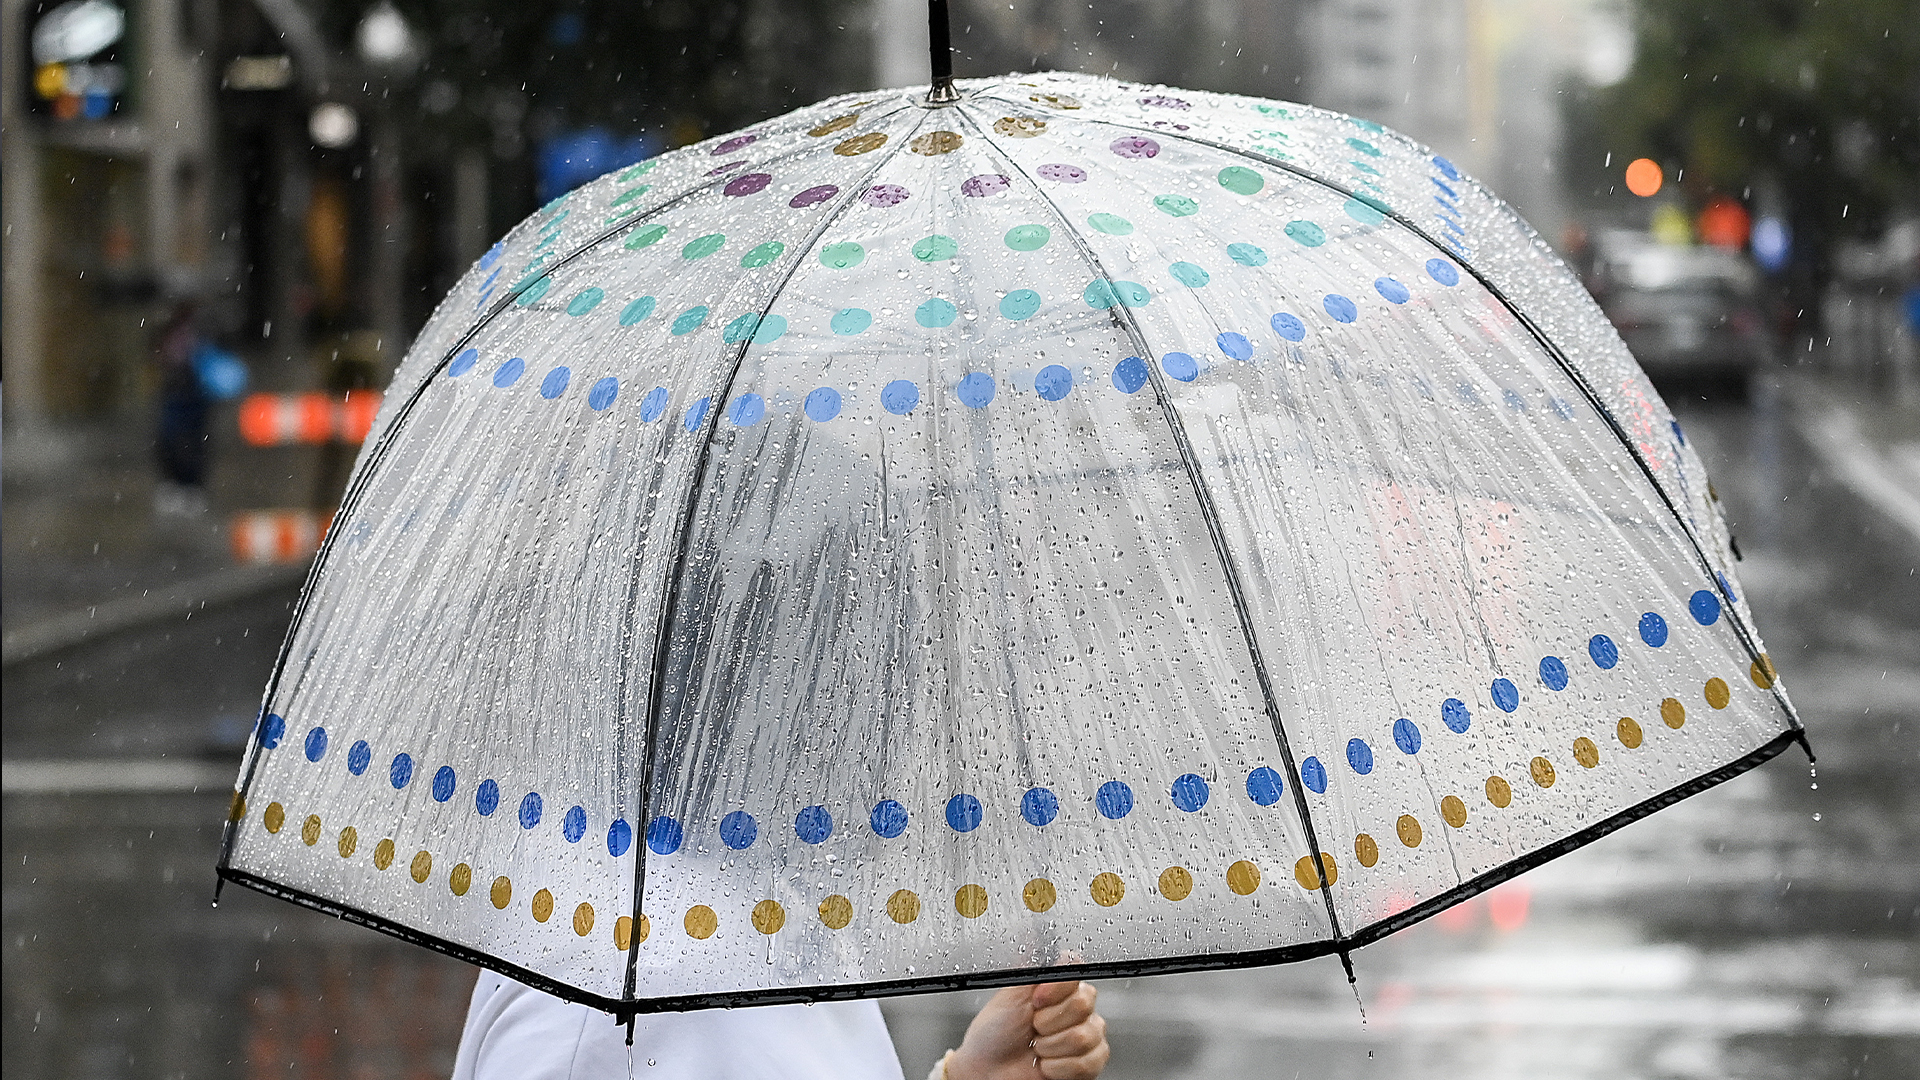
column 1073, row 528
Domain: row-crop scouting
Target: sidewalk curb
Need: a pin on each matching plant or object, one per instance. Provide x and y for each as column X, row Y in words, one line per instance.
column 85, row 624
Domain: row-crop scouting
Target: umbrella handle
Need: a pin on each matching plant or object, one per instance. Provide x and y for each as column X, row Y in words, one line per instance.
column 940, row 48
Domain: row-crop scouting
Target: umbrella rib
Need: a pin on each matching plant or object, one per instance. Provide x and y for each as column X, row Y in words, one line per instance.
column 676, row 567
column 1216, row 532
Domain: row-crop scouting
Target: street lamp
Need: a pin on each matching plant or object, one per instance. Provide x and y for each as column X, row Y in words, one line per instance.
column 384, row 40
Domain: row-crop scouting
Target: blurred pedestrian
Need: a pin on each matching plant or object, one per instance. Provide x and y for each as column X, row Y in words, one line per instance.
column 514, row 1032
column 193, row 374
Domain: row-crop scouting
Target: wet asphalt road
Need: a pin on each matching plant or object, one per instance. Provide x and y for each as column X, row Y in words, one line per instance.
column 1768, row 928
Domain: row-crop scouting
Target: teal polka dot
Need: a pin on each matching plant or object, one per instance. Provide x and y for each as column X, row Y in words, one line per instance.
column 1306, row 233
column 702, row 246
column 1247, row 254
column 636, row 311
column 626, row 197
column 1364, row 147
column 1364, row 211
column 1020, row 304
column 1028, row 237
column 1190, row 275
column 641, row 169
column 643, row 237
column 842, row 256
column 936, row 248
column 1111, row 224
column 763, row 254
column 689, row 320
column 585, row 300
column 1176, row 205
column 1241, row 180
column 752, row 325
column 1101, row 293
column 1366, row 125
column 851, row 320
column 532, row 293
column 935, row 314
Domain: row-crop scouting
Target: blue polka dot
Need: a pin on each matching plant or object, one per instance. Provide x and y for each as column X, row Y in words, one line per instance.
column 1020, row 304
column 963, row 813
column 1406, row 736
column 1246, row 254
column 1053, row 383
column 1653, row 629
column 1039, row 806
column 689, row 320
column 1443, row 272
column 1339, row 308
column 486, row 798
column 889, row 818
column 1264, row 786
column 1235, row 345
column 975, row 389
column 1114, row 800
column 443, row 782
column 619, row 838
column 1289, row 326
column 813, row 824
column 1363, row 211
column 822, row 404
column 747, row 410
column 1506, row 695
column 1391, row 291
column 1514, row 400
column 738, row 830
column 1603, row 651
column 935, row 313
column 574, row 825
column 555, row 383
column 851, row 320
column 1359, row 756
column 1314, row 775
column 530, row 810
column 400, row 773
column 1180, row 366
column 637, row 311
column 1560, row 408
column 654, row 405
column 359, row 756
column 1705, row 608
column 899, row 397
column 1455, row 714
column 696, row 413
column 509, row 373
column 603, row 393
column 316, row 744
column 464, row 362
column 1186, row 273
column 1553, row 672
column 1446, row 168
column 1190, row 792
column 1726, row 586
column 664, row 835
column 1130, row 375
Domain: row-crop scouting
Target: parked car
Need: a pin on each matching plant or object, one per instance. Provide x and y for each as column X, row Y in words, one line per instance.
column 1685, row 312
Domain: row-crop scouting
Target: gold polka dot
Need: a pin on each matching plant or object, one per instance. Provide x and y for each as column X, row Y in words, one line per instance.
column 646, row 927
column 1584, row 752
column 1243, row 877
column 422, row 866
column 583, row 920
column 838, row 123
column 542, row 906
column 1499, row 792
column 1058, row 101
column 1453, row 811
column 701, row 922
column 836, row 911
column 349, row 842
column 502, row 892
column 623, row 933
column 275, row 817
column 1408, row 828
column 1629, row 732
column 461, row 879
column 970, row 901
column 310, row 830
column 1039, row 895
column 1718, row 693
column 903, row 906
column 1762, row 673
column 1108, row 889
column 1176, row 883
column 1366, row 850
column 1542, row 772
column 383, row 854
column 935, row 143
column 237, row 808
column 769, row 916
column 1019, row 127
column 1674, row 713
column 861, row 144
column 1308, row 877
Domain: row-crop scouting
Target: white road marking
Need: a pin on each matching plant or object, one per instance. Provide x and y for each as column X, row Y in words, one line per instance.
column 109, row 776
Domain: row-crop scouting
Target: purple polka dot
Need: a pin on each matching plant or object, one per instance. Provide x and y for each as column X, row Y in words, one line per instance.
column 976, row 187
column 1161, row 101
column 885, row 195
column 733, row 144
column 819, row 193
column 1135, row 146
column 728, row 167
column 748, row 184
column 1066, row 174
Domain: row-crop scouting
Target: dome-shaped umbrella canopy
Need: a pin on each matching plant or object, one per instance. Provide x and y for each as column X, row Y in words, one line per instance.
column 899, row 547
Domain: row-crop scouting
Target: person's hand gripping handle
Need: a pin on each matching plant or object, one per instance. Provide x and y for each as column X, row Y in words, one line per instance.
column 1048, row 1031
